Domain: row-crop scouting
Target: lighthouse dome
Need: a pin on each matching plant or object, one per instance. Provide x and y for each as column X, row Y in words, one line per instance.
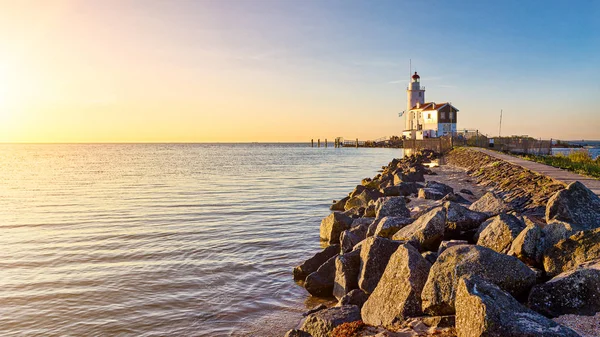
column 416, row 76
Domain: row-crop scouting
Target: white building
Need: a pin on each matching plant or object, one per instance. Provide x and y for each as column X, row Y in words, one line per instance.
column 426, row 120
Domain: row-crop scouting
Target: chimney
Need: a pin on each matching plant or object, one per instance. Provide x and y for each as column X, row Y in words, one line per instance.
column 433, row 105
column 418, row 105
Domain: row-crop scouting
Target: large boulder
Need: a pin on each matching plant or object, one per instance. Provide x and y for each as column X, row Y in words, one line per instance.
column 320, row 283
column 576, row 205
column 374, row 256
column 430, row 194
column 398, row 294
column 321, row 323
column 556, row 231
column 426, row 232
column 507, row 272
column 443, row 188
column 501, row 232
column 572, row 292
column 460, row 219
column 363, row 199
column 402, row 189
column 358, row 232
column 347, row 267
column 333, row 225
column 339, row 205
column 407, row 176
column 354, row 297
column 391, row 206
column 483, row 309
column 526, row 246
column 389, row 225
column 491, row 204
column 447, row 244
column 577, row 249
column 311, row 265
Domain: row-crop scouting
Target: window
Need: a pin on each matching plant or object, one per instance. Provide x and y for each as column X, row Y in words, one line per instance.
column 428, row 116
column 451, row 115
column 420, row 94
column 442, row 115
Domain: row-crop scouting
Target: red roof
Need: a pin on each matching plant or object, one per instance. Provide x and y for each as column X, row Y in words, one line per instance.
column 415, row 76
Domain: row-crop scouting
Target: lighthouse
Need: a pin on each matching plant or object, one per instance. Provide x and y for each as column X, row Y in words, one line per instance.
column 415, row 96
column 427, row 119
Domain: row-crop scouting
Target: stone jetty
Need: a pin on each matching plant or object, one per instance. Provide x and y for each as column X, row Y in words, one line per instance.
column 477, row 247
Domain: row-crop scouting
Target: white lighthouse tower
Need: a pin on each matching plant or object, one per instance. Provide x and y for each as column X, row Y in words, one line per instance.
column 415, row 96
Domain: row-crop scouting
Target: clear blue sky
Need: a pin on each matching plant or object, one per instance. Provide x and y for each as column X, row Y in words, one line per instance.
column 260, row 70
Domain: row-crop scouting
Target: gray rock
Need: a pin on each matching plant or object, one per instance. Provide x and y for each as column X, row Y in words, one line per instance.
column 357, row 190
column 374, row 255
column 426, row 232
column 430, row 256
column 466, row 191
column 311, row 265
column 353, row 236
column 554, row 232
column 526, row 246
column 389, row 225
column 460, row 219
column 491, row 204
column 320, row 324
column 398, row 293
column 371, row 210
column 339, row 205
column 443, row 188
column 402, row 189
column 355, row 297
column 501, row 232
column 391, row 206
column 333, row 225
column 456, row 198
column 447, row 244
column 297, row 333
column 576, row 205
column 347, row 267
column 573, row 292
column 400, row 177
column 483, row 309
column 320, row 283
column 363, row 199
column 507, row 272
column 430, row 194
column 314, row 309
column 567, row 254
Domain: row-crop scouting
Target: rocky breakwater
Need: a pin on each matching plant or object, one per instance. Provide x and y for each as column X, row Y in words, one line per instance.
column 454, row 267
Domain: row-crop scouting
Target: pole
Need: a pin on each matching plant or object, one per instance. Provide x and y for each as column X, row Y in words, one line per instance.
column 500, row 128
column 325, row 142
column 357, row 143
column 319, row 142
column 312, row 143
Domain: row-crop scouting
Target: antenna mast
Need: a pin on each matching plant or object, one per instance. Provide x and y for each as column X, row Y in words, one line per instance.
column 500, row 128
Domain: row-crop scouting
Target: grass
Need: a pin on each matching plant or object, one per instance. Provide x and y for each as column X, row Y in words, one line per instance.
column 578, row 161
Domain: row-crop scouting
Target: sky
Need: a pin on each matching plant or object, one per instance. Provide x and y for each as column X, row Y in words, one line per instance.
column 292, row 70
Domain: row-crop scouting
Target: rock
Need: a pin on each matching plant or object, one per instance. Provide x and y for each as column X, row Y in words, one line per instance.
column 355, row 212
column 315, row 309
column 358, row 232
column 347, row 267
column 391, row 206
column 430, row 194
column 321, row 323
column 430, row 256
column 491, row 204
column 311, row 265
column 483, row 309
column 432, row 321
column 447, row 244
column 466, row 191
column 297, row 333
column 363, row 199
column 358, row 190
column 456, row 198
column 460, row 219
column 577, row 249
column 576, row 205
column 339, row 205
column 402, row 189
column 401, row 177
column 508, row 272
column 426, row 232
column 573, row 292
column 333, row 225
column 320, row 283
column 398, row 293
column 443, row 188
column 554, row 232
column 371, row 210
column 355, row 297
column 389, row 225
column 501, row 232
column 526, row 245
column 374, row 255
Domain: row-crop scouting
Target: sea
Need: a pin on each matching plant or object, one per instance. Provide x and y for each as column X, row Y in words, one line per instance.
column 164, row 239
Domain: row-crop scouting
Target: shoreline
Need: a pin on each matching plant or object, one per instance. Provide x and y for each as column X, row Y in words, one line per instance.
column 396, row 225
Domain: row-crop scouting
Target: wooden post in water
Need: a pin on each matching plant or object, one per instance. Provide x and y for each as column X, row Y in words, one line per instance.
column 312, row 143
column 319, row 142
column 325, row 142
column 357, row 143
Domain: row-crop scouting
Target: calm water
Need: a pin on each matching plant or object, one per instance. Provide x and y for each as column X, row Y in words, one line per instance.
column 154, row 240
